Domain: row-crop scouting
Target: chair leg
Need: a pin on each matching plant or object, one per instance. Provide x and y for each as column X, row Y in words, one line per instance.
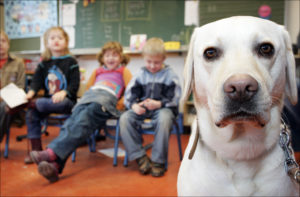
column 125, row 163
column 117, row 137
column 74, row 156
column 180, row 123
column 92, row 141
column 6, row 143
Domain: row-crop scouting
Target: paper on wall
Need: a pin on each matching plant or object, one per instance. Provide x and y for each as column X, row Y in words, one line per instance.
column 13, row 95
column 69, row 14
column 71, row 32
column 191, row 13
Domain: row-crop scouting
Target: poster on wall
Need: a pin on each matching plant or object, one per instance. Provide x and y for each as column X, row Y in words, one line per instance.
column 25, row 19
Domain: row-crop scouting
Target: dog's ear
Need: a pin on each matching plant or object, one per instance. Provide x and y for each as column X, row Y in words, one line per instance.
column 189, row 69
column 290, row 70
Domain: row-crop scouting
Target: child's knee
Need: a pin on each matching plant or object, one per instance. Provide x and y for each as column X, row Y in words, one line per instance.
column 166, row 115
column 42, row 104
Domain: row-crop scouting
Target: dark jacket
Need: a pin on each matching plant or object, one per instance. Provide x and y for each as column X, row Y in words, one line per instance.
column 69, row 76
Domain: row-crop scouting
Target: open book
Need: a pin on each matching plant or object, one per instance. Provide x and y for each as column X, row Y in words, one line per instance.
column 13, row 95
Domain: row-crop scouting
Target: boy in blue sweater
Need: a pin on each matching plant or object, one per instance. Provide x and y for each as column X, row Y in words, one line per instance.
column 154, row 93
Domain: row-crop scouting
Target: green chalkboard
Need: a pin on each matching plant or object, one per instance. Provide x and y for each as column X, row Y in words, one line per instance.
column 101, row 21
column 212, row 10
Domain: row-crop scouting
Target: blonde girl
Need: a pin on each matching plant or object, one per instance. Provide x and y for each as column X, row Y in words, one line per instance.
column 107, row 84
column 58, row 75
column 49, row 37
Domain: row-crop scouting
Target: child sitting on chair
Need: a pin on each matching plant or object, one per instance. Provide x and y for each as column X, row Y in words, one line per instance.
column 58, row 75
column 91, row 112
column 12, row 70
column 154, row 93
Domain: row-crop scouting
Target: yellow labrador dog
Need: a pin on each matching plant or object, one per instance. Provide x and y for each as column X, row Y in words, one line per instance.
column 239, row 69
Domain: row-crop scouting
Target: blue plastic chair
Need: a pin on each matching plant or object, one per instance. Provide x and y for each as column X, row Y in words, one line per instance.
column 147, row 129
column 7, row 143
column 7, row 140
column 58, row 122
column 91, row 141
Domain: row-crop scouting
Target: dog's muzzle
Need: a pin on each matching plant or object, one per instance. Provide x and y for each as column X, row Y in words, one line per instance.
column 240, row 101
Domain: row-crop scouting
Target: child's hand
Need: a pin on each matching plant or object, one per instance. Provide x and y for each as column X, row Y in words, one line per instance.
column 30, row 94
column 152, row 104
column 138, row 108
column 59, row 96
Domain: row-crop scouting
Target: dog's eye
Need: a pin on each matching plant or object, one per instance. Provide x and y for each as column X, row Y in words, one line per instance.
column 211, row 53
column 266, row 50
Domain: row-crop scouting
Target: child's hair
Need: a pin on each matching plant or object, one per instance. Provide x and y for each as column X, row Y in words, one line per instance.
column 5, row 35
column 46, row 55
column 113, row 45
column 154, row 46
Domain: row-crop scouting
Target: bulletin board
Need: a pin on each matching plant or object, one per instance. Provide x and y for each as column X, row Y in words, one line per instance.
column 25, row 19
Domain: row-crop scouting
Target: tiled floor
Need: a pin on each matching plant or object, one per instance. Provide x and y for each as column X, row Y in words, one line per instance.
column 91, row 175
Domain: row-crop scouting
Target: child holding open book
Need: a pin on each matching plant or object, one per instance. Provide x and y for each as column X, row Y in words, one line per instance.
column 12, row 70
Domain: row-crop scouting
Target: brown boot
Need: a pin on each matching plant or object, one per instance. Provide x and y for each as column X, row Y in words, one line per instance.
column 157, row 169
column 49, row 170
column 36, row 144
column 144, row 164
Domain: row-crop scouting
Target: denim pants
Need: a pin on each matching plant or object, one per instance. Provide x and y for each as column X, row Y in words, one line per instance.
column 44, row 106
column 4, row 120
column 130, row 122
column 85, row 119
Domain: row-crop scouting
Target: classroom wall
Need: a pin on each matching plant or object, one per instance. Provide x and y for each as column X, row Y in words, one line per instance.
column 292, row 18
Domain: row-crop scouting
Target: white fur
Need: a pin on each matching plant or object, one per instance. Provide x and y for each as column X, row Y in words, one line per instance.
column 228, row 161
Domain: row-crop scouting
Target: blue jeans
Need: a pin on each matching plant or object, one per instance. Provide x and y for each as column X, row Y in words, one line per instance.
column 4, row 120
column 44, row 106
column 130, row 123
column 85, row 119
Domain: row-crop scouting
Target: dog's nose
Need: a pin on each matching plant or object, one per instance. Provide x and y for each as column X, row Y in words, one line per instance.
column 241, row 87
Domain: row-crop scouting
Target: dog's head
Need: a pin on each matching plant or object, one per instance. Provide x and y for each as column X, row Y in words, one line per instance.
column 239, row 69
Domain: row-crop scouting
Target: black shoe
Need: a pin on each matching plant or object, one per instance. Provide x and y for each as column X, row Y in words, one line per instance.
column 144, row 164
column 157, row 169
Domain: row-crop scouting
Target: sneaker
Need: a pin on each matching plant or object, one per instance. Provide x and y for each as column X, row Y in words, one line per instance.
column 157, row 169
column 39, row 156
column 144, row 164
column 49, row 170
column 28, row 160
